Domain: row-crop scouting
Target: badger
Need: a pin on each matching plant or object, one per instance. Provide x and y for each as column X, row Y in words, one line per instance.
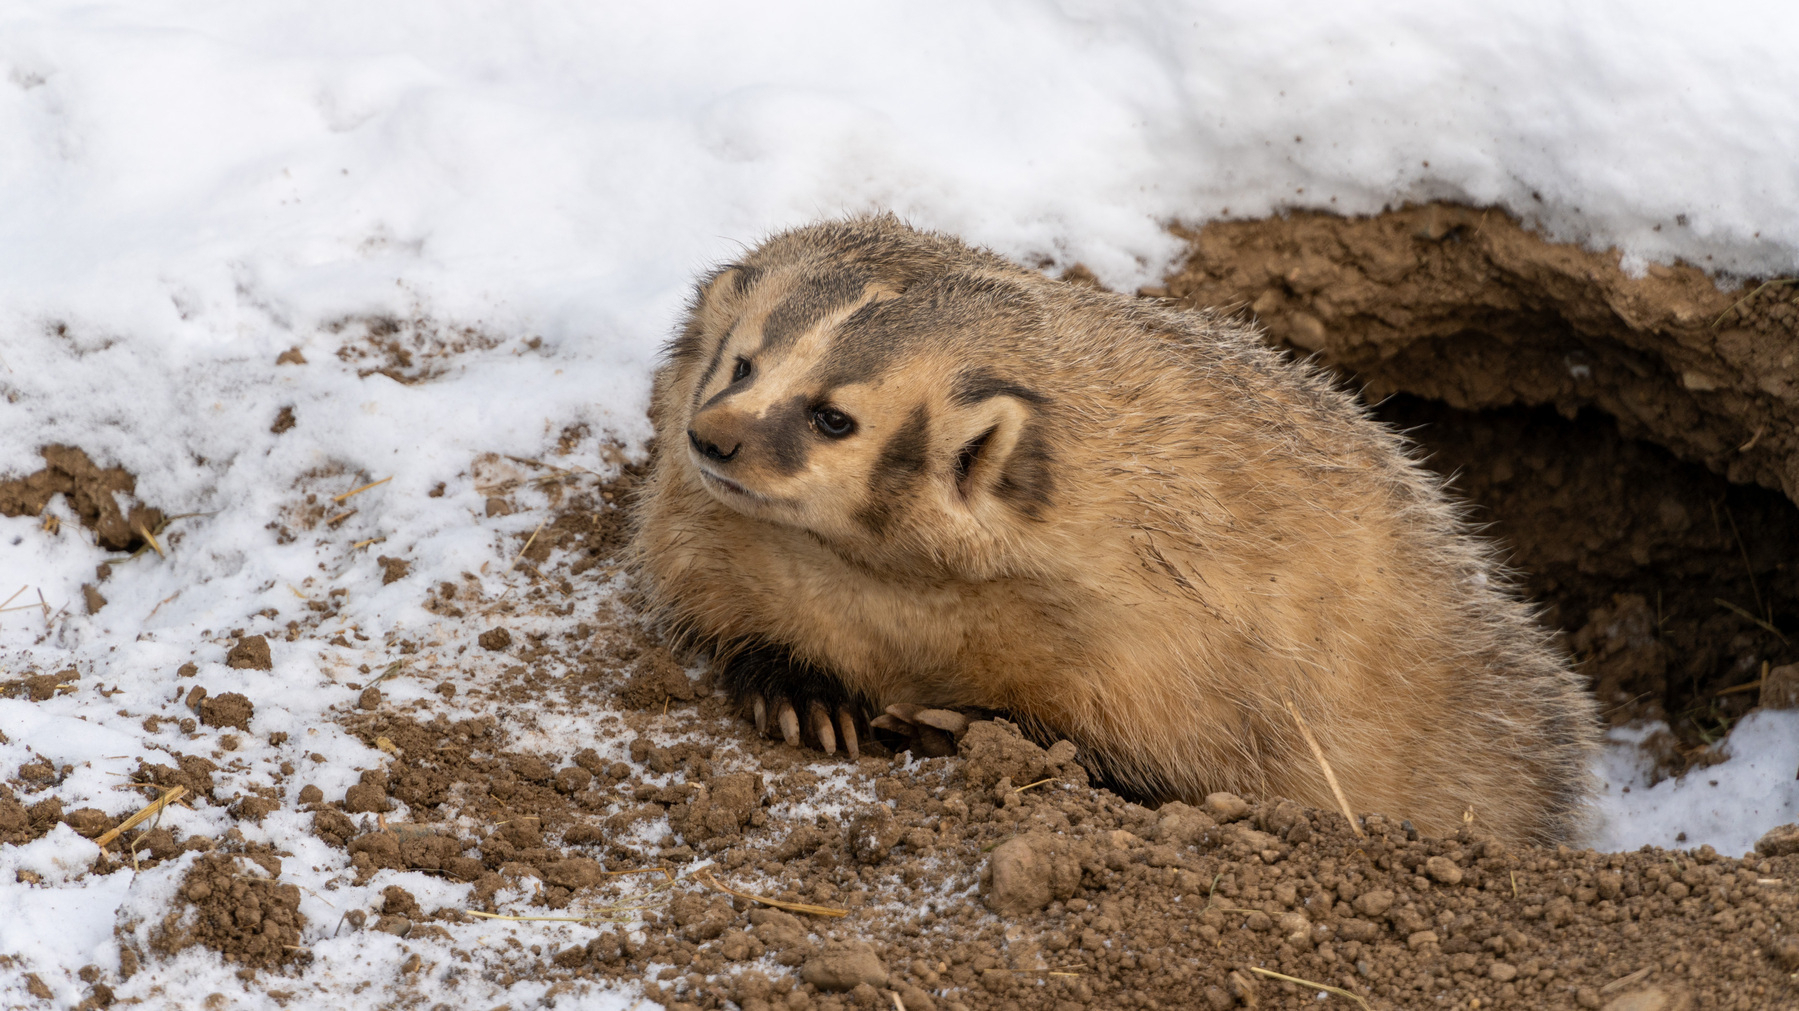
column 892, row 469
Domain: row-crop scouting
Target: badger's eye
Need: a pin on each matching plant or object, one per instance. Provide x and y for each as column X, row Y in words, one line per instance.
column 832, row 422
column 741, row 370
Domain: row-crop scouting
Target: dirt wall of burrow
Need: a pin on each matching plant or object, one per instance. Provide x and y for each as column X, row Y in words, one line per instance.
column 1469, row 307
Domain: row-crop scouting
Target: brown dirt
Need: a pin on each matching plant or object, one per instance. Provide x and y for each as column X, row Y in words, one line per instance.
column 90, row 492
column 233, row 904
column 1467, row 306
column 1101, row 903
column 1619, row 491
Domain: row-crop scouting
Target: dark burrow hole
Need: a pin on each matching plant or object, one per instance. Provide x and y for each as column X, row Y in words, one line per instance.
column 1671, row 585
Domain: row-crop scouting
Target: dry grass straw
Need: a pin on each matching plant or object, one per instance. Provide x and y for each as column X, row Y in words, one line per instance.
column 339, row 499
column 1330, row 776
column 706, row 878
column 528, row 542
column 170, row 796
column 1027, row 786
column 339, row 518
column 1624, row 981
column 1339, row 991
column 1721, row 602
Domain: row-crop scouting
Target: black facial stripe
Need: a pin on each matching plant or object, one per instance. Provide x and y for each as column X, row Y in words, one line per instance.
column 787, row 435
column 718, row 354
column 975, row 387
column 811, row 300
column 899, row 466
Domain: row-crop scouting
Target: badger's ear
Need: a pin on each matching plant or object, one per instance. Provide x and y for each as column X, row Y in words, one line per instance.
column 1000, row 451
column 730, row 279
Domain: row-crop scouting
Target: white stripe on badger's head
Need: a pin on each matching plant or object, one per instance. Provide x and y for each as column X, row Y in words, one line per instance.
column 829, row 395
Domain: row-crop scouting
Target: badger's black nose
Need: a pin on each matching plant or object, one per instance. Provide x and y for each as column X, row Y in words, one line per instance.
column 711, row 451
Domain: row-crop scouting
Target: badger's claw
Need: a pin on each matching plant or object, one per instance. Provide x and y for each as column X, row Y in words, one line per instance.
column 759, row 706
column 790, row 723
column 821, row 726
column 846, row 723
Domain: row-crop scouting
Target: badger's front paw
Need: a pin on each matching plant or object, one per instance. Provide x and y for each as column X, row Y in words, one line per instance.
column 819, row 723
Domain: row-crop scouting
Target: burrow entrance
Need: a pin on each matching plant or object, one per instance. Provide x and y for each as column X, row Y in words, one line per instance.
column 1631, row 441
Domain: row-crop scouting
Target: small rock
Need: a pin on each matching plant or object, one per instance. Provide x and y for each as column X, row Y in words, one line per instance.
column 1443, row 871
column 573, row 779
column 1226, row 806
column 91, row 595
column 1030, row 871
column 232, row 709
column 89, row 821
column 399, row 926
column 1653, row 998
column 574, row 873
column 1786, row 952
column 1374, row 903
column 1020, row 879
column 1779, row 842
column 1502, row 972
column 872, row 834
column 250, row 653
column 495, row 639
column 843, row 967
column 369, row 699
column 1181, row 825
column 499, row 507
column 393, row 569
column 1419, row 938
column 783, row 934
column 993, row 750
column 366, row 798
column 310, row 794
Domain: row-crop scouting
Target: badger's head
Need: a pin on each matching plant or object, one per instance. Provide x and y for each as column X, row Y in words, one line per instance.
column 862, row 398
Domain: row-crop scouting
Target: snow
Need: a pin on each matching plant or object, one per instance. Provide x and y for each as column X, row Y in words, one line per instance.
column 192, row 188
column 1726, row 807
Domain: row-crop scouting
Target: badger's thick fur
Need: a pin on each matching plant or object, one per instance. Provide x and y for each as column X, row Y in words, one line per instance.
column 891, row 468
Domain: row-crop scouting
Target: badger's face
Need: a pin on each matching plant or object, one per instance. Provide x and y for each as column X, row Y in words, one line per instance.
column 824, row 399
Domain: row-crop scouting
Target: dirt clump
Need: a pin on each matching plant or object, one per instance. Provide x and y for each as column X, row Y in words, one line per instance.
column 234, row 904
column 89, row 490
column 251, row 653
column 41, row 687
column 232, row 709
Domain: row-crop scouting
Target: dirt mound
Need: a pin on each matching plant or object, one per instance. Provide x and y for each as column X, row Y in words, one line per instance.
column 1467, row 306
column 1102, row 903
column 90, row 491
column 234, row 904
